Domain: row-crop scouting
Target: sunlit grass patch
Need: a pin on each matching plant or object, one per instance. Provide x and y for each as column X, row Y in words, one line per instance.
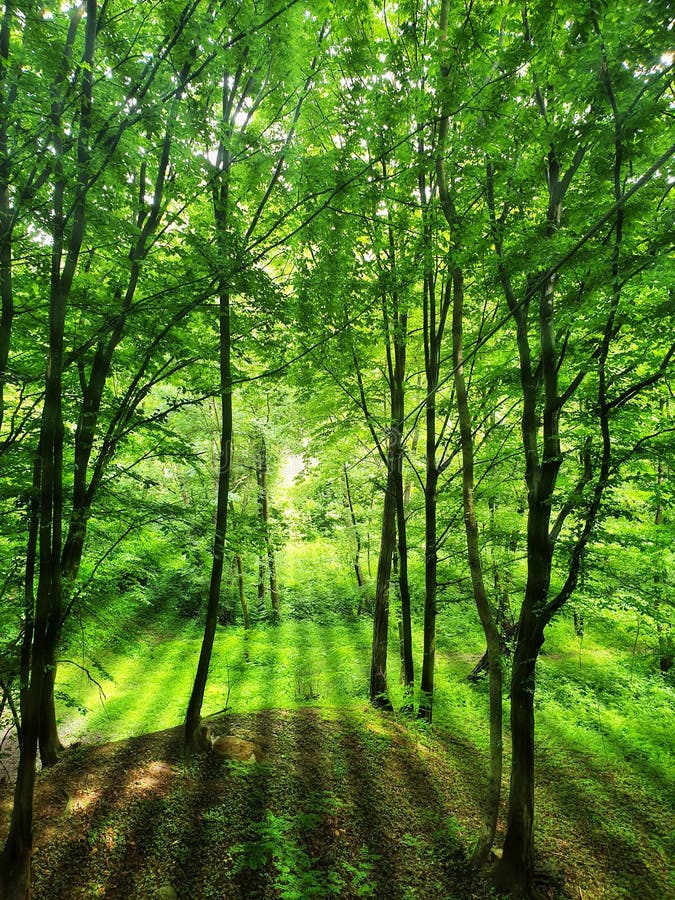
column 601, row 703
column 293, row 665
column 144, row 691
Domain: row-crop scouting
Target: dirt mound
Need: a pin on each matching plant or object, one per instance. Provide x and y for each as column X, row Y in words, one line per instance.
column 348, row 808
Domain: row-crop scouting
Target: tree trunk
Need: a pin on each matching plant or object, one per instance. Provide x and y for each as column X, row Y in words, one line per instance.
column 263, row 507
column 6, row 227
column 262, row 588
column 50, row 743
column 515, row 870
column 434, row 320
column 430, row 565
column 397, row 611
column 274, row 590
column 395, row 462
column 396, row 364
column 242, row 592
column 662, row 631
column 404, row 588
column 378, row 664
column 62, row 276
column 15, row 859
column 193, row 741
column 220, row 189
column 360, row 580
column 486, row 835
column 395, row 322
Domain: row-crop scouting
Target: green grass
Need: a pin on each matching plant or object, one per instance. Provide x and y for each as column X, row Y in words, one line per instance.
column 602, row 695
column 593, row 696
column 604, row 719
column 295, row 665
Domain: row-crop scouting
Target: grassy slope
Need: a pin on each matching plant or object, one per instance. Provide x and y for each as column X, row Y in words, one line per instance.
column 604, row 789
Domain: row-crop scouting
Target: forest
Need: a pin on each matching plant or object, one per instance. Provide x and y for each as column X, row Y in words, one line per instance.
column 337, row 440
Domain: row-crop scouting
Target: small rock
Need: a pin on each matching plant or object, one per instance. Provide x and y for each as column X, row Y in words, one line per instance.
column 230, row 747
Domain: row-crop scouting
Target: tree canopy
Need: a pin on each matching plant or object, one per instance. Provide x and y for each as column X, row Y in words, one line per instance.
column 415, row 256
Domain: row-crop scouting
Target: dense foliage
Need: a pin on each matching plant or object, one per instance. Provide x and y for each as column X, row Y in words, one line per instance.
column 300, row 303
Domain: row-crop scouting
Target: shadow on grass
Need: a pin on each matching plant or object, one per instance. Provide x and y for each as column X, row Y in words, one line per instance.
column 599, row 815
column 339, row 808
column 355, row 806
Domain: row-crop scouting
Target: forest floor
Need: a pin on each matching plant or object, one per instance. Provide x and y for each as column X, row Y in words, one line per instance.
column 344, row 803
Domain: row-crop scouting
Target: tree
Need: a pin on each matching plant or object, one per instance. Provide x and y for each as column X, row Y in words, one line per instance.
column 358, row 570
column 455, row 287
column 545, row 356
column 263, row 507
column 252, row 100
column 67, row 242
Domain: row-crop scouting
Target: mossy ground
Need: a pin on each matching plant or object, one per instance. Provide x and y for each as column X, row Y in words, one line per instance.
column 349, row 807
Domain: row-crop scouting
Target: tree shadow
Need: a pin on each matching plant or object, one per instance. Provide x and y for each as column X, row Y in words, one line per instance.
column 597, row 815
column 338, row 808
column 347, row 802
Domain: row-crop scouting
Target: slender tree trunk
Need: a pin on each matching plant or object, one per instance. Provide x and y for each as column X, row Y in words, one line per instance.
column 6, row 295
column 430, row 563
column 486, row 835
column 435, row 315
column 193, row 740
column 263, row 506
column 15, row 870
column 221, row 199
column 15, row 860
column 378, row 664
column 395, row 323
column 360, row 580
column 6, row 288
column 404, row 587
column 395, row 587
column 481, row 853
column 68, row 235
column 407, row 490
column 148, row 219
column 262, row 587
column 662, row 631
column 242, row 592
column 515, row 869
column 274, row 590
column 50, row 743
column 397, row 379
column 29, row 585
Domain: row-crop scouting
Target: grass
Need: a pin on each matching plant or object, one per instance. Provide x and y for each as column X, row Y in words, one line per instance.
column 604, row 722
column 592, row 695
column 344, row 808
column 295, row 665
